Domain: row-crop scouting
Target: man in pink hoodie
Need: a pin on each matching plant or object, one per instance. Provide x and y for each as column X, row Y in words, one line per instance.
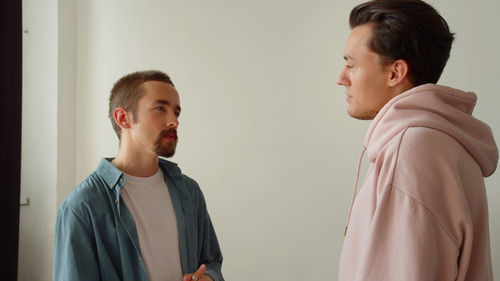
column 422, row 212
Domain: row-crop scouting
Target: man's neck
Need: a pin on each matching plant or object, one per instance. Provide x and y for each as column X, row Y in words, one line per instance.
column 137, row 164
column 403, row 87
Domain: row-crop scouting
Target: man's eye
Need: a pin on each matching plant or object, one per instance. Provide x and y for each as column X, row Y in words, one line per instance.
column 348, row 66
column 177, row 114
column 160, row 108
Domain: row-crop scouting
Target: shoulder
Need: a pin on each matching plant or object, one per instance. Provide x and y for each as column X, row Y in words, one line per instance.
column 191, row 183
column 427, row 137
column 86, row 196
column 422, row 145
column 430, row 166
column 438, row 174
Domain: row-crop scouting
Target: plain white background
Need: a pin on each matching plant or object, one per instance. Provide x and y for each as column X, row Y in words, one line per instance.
column 263, row 129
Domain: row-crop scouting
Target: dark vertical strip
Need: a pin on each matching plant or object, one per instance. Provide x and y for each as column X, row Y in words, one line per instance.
column 10, row 135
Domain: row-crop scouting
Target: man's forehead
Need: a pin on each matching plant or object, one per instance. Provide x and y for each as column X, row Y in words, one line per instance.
column 159, row 90
column 358, row 41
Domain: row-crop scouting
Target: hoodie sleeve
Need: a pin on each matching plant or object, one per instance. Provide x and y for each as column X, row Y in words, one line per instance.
column 405, row 242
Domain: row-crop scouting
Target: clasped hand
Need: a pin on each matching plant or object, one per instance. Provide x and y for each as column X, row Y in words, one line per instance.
column 199, row 275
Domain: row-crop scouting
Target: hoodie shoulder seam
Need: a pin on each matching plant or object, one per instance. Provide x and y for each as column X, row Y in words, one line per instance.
column 427, row 211
column 397, row 155
column 392, row 186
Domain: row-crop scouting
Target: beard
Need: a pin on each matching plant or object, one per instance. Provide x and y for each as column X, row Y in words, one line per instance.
column 165, row 150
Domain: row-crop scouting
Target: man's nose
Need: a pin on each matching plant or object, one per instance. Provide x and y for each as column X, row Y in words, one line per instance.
column 342, row 79
column 173, row 121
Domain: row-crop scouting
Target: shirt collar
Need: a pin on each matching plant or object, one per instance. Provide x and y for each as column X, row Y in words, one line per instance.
column 109, row 172
column 112, row 175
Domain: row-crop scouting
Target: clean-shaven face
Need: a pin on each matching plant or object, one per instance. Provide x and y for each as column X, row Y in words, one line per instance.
column 363, row 76
column 156, row 122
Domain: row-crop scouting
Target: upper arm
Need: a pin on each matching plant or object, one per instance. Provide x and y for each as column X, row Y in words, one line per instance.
column 75, row 250
column 406, row 242
column 209, row 252
column 420, row 218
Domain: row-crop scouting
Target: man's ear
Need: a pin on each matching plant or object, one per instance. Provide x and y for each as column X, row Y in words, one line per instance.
column 122, row 117
column 398, row 71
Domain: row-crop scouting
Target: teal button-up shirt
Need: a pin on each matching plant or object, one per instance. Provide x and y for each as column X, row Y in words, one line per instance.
column 96, row 237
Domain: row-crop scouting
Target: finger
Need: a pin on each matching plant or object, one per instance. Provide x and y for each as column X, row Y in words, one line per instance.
column 187, row 277
column 199, row 273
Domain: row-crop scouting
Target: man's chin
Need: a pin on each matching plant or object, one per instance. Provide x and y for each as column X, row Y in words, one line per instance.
column 360, row 115
column 166, row 152
column 166, row 155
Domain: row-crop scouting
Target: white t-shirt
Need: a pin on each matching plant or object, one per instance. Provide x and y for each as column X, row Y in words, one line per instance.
column 149, row 202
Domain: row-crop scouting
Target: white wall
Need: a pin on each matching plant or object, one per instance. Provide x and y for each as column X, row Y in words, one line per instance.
column 39, row 140
column 48, row 143
column 66, row 93
column 263, row 127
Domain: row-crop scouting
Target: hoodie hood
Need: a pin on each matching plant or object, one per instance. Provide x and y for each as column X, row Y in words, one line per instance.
column 438, row 107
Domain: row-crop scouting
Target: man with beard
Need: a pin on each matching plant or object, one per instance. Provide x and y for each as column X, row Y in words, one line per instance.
column 137, row 217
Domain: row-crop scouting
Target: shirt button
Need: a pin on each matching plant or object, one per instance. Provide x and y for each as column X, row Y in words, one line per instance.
column 121, row 179
column 116, row 201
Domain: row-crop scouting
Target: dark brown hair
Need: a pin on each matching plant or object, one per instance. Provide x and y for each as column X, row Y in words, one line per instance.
column 411, row 30
column 128, row 90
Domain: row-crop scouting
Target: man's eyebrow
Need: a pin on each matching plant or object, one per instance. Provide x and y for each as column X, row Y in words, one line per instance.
column 165, row 102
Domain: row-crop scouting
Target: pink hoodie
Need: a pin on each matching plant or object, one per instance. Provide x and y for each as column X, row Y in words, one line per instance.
column 422, row 213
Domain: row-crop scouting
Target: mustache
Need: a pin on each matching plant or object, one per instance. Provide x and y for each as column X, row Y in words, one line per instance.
column 168, row 132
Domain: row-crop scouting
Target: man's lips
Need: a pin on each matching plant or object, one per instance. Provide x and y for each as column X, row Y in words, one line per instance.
column 348, row 98
column 172, row 136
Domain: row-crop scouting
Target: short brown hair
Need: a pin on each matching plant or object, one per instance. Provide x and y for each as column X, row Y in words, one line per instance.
column 127, row 92
column 411, row 30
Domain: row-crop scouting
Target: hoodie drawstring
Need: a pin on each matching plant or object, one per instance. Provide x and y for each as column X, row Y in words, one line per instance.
column 355, row 189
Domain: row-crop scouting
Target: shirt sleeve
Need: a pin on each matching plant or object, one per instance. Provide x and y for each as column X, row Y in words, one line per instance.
column 406, row 242
column 209, row 252
column 75, row 254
